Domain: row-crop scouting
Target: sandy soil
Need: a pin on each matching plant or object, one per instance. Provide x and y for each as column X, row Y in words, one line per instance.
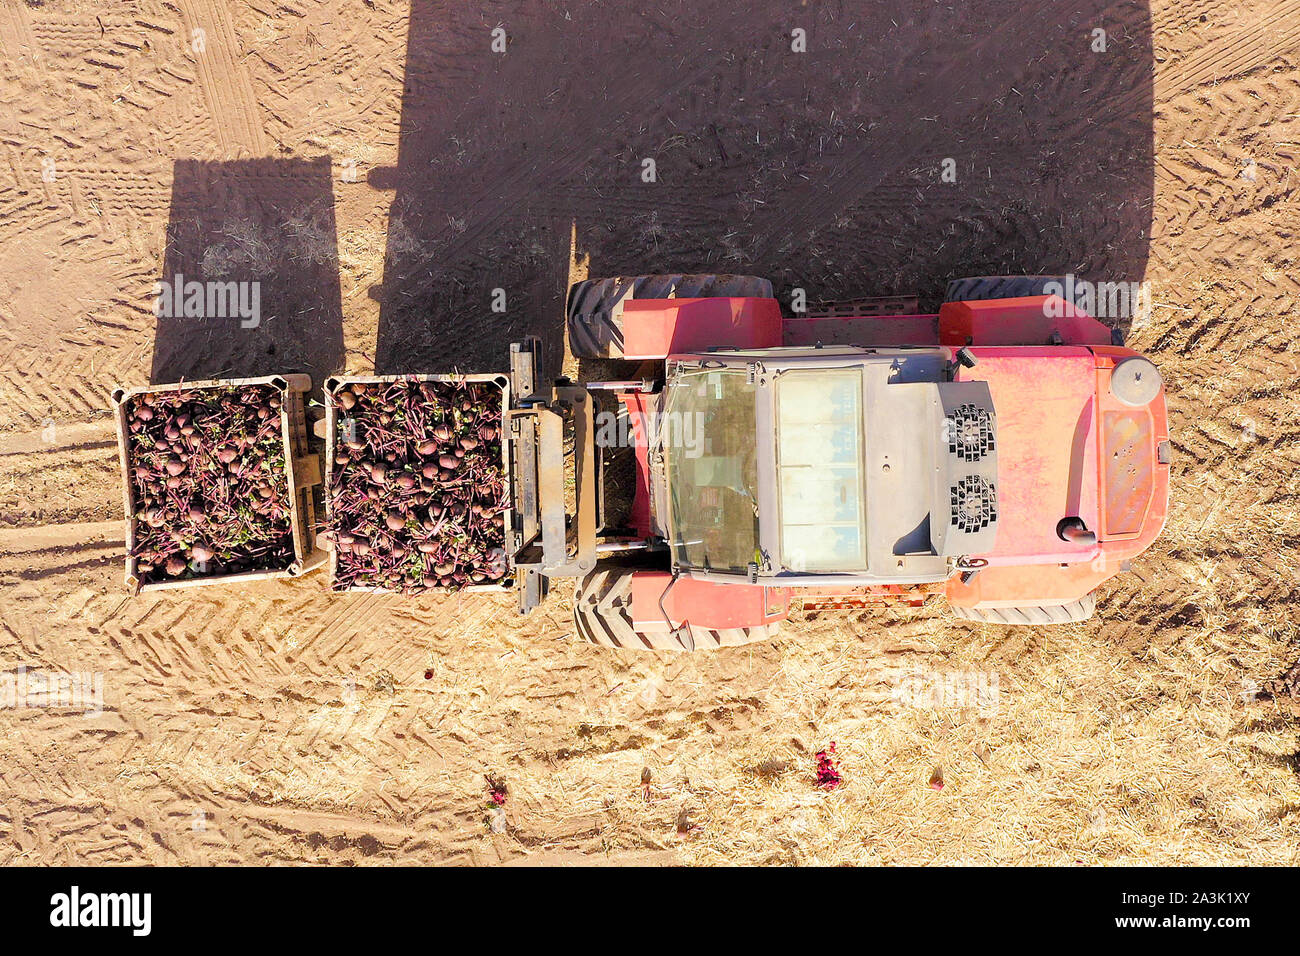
column 381, row 170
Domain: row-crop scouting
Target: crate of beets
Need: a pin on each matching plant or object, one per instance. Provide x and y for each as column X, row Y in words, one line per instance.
column 216, row 480
column 416, row 493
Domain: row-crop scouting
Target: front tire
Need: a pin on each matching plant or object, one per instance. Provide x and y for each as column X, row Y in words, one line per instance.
column 595, row 321
column 602, row 613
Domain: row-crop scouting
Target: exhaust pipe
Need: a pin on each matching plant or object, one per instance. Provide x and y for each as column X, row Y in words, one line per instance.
column 1075, row 531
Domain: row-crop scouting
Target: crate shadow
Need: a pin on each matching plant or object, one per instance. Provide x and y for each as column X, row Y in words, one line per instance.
column 250, row 282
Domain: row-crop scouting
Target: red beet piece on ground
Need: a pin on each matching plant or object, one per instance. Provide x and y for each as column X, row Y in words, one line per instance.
column 828, row 775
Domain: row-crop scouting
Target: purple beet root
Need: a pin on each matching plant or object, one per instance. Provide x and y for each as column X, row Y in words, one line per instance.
column 436, row 445
column 209, row 482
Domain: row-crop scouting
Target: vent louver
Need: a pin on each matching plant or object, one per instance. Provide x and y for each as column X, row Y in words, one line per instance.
column 964, row 502
column 970, row 432
column 974, row 504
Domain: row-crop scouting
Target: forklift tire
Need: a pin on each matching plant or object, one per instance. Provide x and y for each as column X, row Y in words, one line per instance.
column 595, row 332
column 1015, row 287
column 602, row 613
column 1001, row 287
column 1070, row 613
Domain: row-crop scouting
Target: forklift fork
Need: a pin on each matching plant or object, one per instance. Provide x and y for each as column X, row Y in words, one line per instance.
column 548, row 541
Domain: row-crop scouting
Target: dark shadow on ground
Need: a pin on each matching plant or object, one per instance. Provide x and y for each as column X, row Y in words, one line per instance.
column 263, row 221
column 820, row 170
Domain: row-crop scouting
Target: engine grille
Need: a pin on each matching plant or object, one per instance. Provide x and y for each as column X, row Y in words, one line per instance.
column 970, row 432
column 974, row 504
column 964, row 476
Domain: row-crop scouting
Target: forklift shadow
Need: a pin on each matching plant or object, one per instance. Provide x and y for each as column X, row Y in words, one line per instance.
column 911, row 144
column 476, row 257
column 250, row 282
column 881, row 151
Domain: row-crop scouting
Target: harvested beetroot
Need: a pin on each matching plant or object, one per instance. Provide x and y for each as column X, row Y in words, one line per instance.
column 209, row 482
column 417, row 495
column 828, row 775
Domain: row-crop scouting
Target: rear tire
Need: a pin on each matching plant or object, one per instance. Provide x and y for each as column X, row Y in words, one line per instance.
column 602, row 613
column 1068, row 613
column 596, row 332
column 1001, row 287
column 1016, row 287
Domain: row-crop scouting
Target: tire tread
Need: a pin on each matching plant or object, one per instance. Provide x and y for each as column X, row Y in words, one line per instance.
column 1042, row 614
column 602, row 614
column 975, row 288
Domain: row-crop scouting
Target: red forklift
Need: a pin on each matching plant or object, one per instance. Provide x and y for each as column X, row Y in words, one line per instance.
column 1007, row 452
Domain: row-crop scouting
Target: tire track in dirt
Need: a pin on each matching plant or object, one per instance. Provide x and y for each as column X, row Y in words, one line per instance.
column 1247, row 49
column 17, row 40
column 337, row 630
column 229, row 640
column 1225, row 57
column 1221, row 172
column 60, row 367
column 227, row 87
column 62, row 390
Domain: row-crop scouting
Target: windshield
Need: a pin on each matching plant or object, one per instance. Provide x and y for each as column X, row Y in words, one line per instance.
column 819, row 470
column 708, row 435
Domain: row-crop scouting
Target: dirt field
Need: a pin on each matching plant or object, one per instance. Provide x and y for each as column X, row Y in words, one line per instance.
column 381, row 170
